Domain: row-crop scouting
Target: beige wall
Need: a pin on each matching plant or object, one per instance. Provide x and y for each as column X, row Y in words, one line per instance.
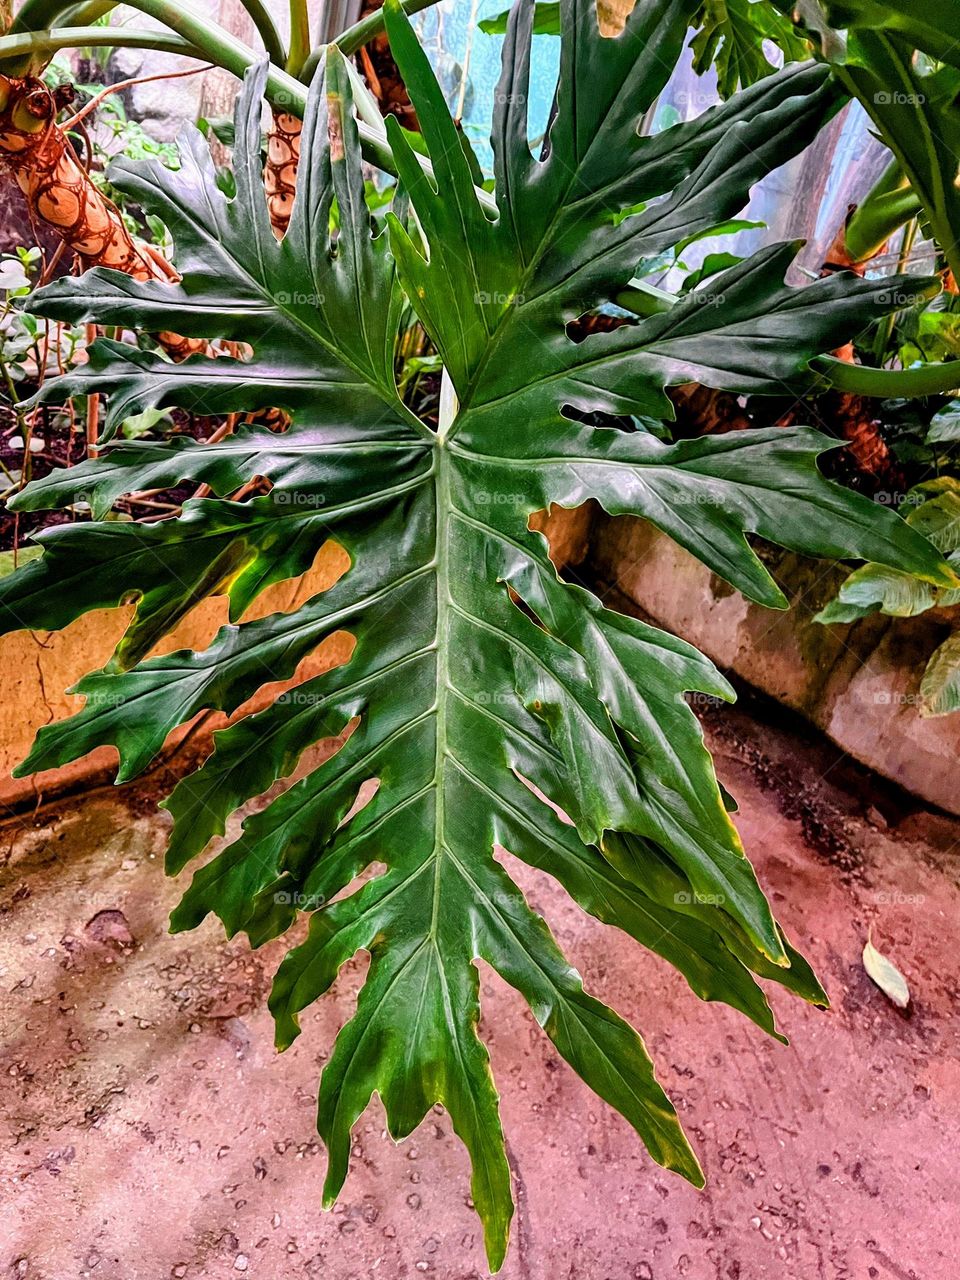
column 860, row 684
column 36, row 668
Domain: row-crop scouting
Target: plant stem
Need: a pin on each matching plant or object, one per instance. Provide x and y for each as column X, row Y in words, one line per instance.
column 927, row 380
column 372, row 25
column 299, row 37
column 25, row 44
column 465, row 65
column 885, row 328
column 272, row 40
column 40, row 15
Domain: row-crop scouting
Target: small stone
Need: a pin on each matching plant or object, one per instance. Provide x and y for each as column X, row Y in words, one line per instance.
column 110, row 928
column 241, row 1262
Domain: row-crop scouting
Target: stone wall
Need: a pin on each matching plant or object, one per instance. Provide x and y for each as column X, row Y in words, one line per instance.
column 858, row 683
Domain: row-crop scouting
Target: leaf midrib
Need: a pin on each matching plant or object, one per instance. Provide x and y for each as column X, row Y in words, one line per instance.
column 444, row 611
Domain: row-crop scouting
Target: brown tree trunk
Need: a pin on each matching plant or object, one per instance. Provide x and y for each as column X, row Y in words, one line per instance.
column 280, row 171
column 60, row 193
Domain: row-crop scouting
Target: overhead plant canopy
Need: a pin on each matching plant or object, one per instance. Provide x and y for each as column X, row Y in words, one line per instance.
column 481, row 685
column 737, row 38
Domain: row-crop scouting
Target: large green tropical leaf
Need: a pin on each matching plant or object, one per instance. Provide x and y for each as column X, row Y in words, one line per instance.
column 902, row 62
column 916, row 114
column 736, row 37
column 932, row 28
column 496, row 706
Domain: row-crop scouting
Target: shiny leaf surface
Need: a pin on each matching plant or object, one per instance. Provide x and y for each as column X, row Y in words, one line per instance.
column 497, row 707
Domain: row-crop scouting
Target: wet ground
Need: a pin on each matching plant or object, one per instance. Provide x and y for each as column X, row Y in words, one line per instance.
column 148, row 1129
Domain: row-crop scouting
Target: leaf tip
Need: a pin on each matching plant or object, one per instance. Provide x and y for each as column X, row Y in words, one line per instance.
column 692, row 1170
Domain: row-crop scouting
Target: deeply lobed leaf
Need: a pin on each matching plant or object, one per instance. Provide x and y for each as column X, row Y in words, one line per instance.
column 496, row 706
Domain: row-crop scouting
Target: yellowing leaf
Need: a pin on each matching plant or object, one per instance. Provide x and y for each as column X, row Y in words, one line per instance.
column 886, row 975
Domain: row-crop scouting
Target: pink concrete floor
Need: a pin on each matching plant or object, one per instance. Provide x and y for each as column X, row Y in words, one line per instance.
column 150, row 1131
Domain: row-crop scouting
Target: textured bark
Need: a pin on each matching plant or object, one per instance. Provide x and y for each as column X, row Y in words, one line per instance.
column 867, row 463
column 283, row 140
column 280, row 171
column 383, row 77
column 704, row 411
column 60, row 194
